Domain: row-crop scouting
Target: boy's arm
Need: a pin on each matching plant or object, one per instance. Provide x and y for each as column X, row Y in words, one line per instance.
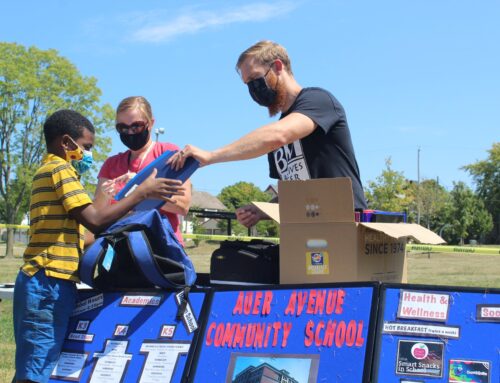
column 88, row 239
column 97, row 219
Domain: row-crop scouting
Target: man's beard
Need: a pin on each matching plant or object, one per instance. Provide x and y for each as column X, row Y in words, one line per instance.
column 278, row 104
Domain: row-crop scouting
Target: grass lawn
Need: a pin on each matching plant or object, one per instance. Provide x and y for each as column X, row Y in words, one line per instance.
column 436, row 269
column 7, row 347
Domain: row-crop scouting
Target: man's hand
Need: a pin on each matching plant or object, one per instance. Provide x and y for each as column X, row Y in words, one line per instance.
column 249, row 215
column 160, row 188
column 178, row 159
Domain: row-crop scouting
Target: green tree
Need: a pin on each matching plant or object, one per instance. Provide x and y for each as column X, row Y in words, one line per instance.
column 466, row 215
column 391, row 191
column 486, row 175
column 241, row 194
column 33, row 84
column 482, row 221
column 432, row 199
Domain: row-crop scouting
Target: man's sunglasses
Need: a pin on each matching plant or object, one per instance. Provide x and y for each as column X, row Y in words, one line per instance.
column 135, row 127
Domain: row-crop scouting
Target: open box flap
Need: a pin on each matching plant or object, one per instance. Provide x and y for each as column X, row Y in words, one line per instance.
column 271, row 209
column 401, row 230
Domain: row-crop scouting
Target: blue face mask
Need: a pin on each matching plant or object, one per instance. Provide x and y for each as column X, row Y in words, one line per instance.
column 80, row 159
column 85, row 163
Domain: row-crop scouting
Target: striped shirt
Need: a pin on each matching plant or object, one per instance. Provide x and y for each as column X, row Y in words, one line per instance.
column 56, row 239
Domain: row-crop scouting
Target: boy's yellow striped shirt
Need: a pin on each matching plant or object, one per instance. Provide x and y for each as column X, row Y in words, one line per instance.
column 56, row 239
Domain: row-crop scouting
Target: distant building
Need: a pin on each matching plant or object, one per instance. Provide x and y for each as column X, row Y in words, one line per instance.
column 20, row 235
column 204, row 202
column 264, row 373
column 211, row 227
column 272, row 190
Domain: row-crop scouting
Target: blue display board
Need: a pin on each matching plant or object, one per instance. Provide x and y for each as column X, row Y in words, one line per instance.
column 438, row 334
column 288, row 334
column 129, row 337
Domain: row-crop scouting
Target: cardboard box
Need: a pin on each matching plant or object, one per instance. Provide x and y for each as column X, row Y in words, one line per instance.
column 321, row 242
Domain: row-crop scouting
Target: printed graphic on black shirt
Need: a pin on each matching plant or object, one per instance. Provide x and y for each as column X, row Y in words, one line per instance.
column 291, row 162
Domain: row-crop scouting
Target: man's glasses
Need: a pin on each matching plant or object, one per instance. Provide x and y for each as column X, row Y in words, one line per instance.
column 135, row 127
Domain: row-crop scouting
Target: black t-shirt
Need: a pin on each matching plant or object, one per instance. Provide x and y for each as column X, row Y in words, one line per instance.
column 325, row 153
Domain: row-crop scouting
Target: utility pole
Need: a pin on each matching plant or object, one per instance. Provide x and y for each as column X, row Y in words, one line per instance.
column 418, row 185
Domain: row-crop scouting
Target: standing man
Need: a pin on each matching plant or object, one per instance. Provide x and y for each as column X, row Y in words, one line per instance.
column 310, row 140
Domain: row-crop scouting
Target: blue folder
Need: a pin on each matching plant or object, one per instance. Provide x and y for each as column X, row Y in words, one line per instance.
column 164, row 171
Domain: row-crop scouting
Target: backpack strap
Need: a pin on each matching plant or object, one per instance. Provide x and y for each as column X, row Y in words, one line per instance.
column 150, row 243
column 90, row 260
column 181, row 308
column 146, row 260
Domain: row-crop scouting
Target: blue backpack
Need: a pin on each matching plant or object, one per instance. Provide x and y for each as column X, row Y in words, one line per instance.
column 138, row 251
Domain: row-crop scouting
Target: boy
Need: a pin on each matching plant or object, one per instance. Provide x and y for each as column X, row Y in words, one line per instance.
column 45, row 291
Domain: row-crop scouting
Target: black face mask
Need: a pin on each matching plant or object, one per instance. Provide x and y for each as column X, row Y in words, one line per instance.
column 135, row 141
column 260, row 92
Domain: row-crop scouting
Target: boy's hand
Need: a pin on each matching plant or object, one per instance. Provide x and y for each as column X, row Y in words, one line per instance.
column 160, row 188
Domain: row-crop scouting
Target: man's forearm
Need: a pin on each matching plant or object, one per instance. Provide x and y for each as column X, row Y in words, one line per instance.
column 266, row 139
column 254, row 144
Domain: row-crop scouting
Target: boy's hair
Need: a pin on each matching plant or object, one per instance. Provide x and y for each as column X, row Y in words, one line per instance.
column 136, row 102
column 266, row 52
column 68, row 122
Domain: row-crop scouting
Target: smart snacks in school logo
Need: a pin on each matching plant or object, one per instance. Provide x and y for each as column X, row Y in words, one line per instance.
column 317, row 262
column 317, row 259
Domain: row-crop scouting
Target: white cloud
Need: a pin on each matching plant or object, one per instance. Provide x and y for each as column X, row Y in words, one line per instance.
column 194, row 20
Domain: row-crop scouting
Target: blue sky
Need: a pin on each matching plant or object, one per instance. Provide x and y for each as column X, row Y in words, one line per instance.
column 410, row 74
